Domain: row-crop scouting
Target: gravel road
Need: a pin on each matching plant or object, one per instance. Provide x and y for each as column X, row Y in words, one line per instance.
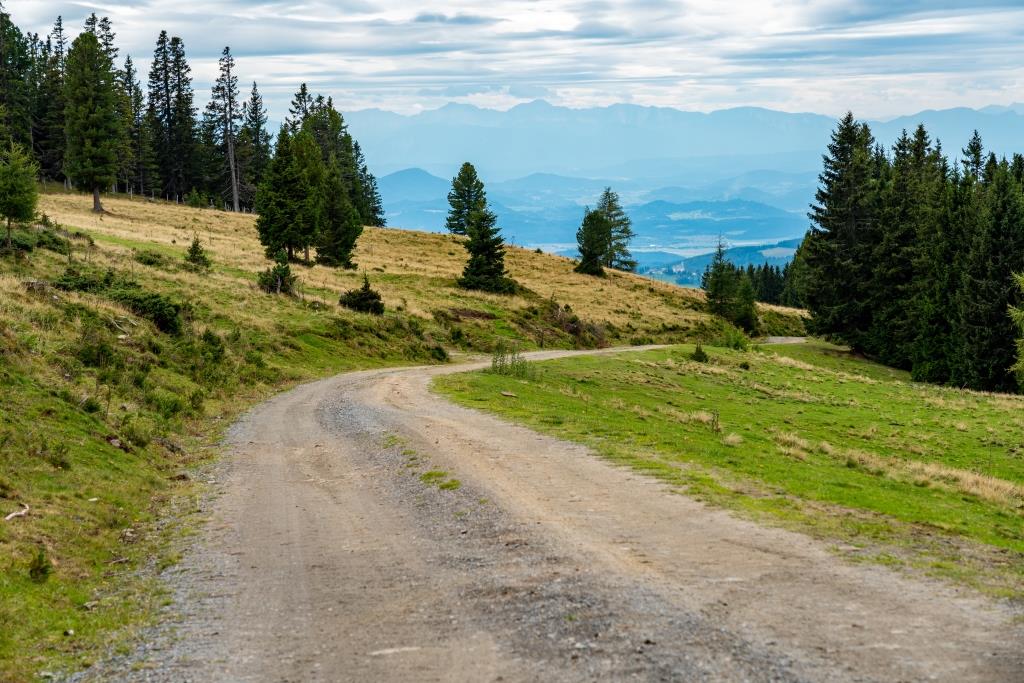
column 326, row 558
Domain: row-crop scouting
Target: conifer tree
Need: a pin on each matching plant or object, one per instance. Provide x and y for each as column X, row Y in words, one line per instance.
column 18, row 191
column 292, row 201
column 228, row 111
column 142, row 176
column 93, row 127
column 617, row 255
column 744, row 313
column 592, row 240
column 719, row 283
column 15, row 92
column 300, row 108
column 485, row 269
column 272, row 200
column 50, row 140
column 838, row 249
column 160, row 112
column 1017, row 316
column 254, row 144
column 985, row 334
column 342, row 225
column 182, row 131
column 466, row 198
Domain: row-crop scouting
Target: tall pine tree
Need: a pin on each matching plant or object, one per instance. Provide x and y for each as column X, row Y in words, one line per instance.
column 93, row 127
column 617, row 255
column 466, row 198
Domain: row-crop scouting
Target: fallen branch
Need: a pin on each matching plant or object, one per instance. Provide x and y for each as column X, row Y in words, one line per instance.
column 20, row 513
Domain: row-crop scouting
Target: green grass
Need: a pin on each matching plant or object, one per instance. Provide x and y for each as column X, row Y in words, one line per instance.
column 810, row 437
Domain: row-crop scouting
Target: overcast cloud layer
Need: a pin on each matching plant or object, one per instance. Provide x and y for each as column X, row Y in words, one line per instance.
column 878, row 58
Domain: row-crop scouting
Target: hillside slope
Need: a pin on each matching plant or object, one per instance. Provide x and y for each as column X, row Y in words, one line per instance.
column 120, row 372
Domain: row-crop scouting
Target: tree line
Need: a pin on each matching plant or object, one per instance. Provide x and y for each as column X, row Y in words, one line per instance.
column 911, row 257
column 87, row 121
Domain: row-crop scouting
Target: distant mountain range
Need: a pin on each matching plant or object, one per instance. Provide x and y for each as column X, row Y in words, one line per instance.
column 747, row 174
column 626, row 142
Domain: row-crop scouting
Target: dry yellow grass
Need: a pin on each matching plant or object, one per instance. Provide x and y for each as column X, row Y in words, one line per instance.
column 414, row 270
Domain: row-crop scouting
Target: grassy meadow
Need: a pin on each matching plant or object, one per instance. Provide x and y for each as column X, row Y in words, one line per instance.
column 806, row 436
column 118, row 381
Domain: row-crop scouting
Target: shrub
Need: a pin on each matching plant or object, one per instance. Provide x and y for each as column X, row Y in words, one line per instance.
column 148, row 257
column 157, row 308
column 699, row 354
column 277, row 279
column 507, row 360
column 196, row 199
column 732, row 338
column 51, row 241
column 196, row 256
column 40, row 567
column 364, row 299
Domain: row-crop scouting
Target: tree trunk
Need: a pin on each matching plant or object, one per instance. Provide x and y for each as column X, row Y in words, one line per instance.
column 234, row 171
column 307, row 254
column 97, row 207
column 10, row 243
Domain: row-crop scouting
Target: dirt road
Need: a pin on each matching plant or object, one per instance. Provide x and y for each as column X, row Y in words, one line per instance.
column 328, row 559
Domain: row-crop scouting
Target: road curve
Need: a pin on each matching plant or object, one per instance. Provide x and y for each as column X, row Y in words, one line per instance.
column 326, row 558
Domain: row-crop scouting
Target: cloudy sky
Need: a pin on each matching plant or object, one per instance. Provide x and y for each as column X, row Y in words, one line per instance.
column 880, row 58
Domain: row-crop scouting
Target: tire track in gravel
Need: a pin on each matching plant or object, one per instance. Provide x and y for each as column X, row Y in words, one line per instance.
column 326, row 558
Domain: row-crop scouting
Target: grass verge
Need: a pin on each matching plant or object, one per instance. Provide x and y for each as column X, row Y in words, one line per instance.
column 806, row 436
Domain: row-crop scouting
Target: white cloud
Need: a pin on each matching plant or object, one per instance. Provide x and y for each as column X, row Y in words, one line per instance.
column 879, row 58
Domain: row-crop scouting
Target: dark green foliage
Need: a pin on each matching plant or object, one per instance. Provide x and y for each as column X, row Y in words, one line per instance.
column 912, row 262
column 18, row 192
column 730, row 291
column 342, row 226
column 620, row 232
column 92, row 124
column 485, row 269
column 745, row 308
column 699, row 354
column 197, row 200
column 838, row 247
column 196, row 256
column 592, row 240
column 292, row 200
column 466, row 198
column 148, row 257
column 278, row 279
column 40, row 567
column 364, row 299
column 157, row 308
column 1017, row 315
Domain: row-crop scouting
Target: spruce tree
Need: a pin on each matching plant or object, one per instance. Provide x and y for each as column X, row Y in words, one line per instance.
column 592, row 240
column 744, row 313
column 839, row 246
column 93, row 127
column 15, row 90
column 720, row 283
column 986, row 349
column 485, row 269
column 466, row 198
column 182, row 130
column 254, row 144
column 272, row 202
column 1017, row 316
column 300, row 108
column 617, row 255
column 18, row 192
column 227, row 108
column 342, row 225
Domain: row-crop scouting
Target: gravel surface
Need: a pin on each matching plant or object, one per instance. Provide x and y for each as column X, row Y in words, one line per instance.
column 328, row 558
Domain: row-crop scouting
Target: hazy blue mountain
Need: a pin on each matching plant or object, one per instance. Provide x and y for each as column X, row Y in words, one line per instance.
column 627, row 142
column 413, row 185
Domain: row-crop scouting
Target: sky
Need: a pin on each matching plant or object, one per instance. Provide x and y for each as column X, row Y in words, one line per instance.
column 878, row 58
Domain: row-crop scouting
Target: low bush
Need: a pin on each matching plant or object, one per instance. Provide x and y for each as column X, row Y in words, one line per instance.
column 507, row 360
column 196, row 257
column 364, row 299
column 278, row 279
column 157, row 308
column 147, row 257
column 699, row 354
